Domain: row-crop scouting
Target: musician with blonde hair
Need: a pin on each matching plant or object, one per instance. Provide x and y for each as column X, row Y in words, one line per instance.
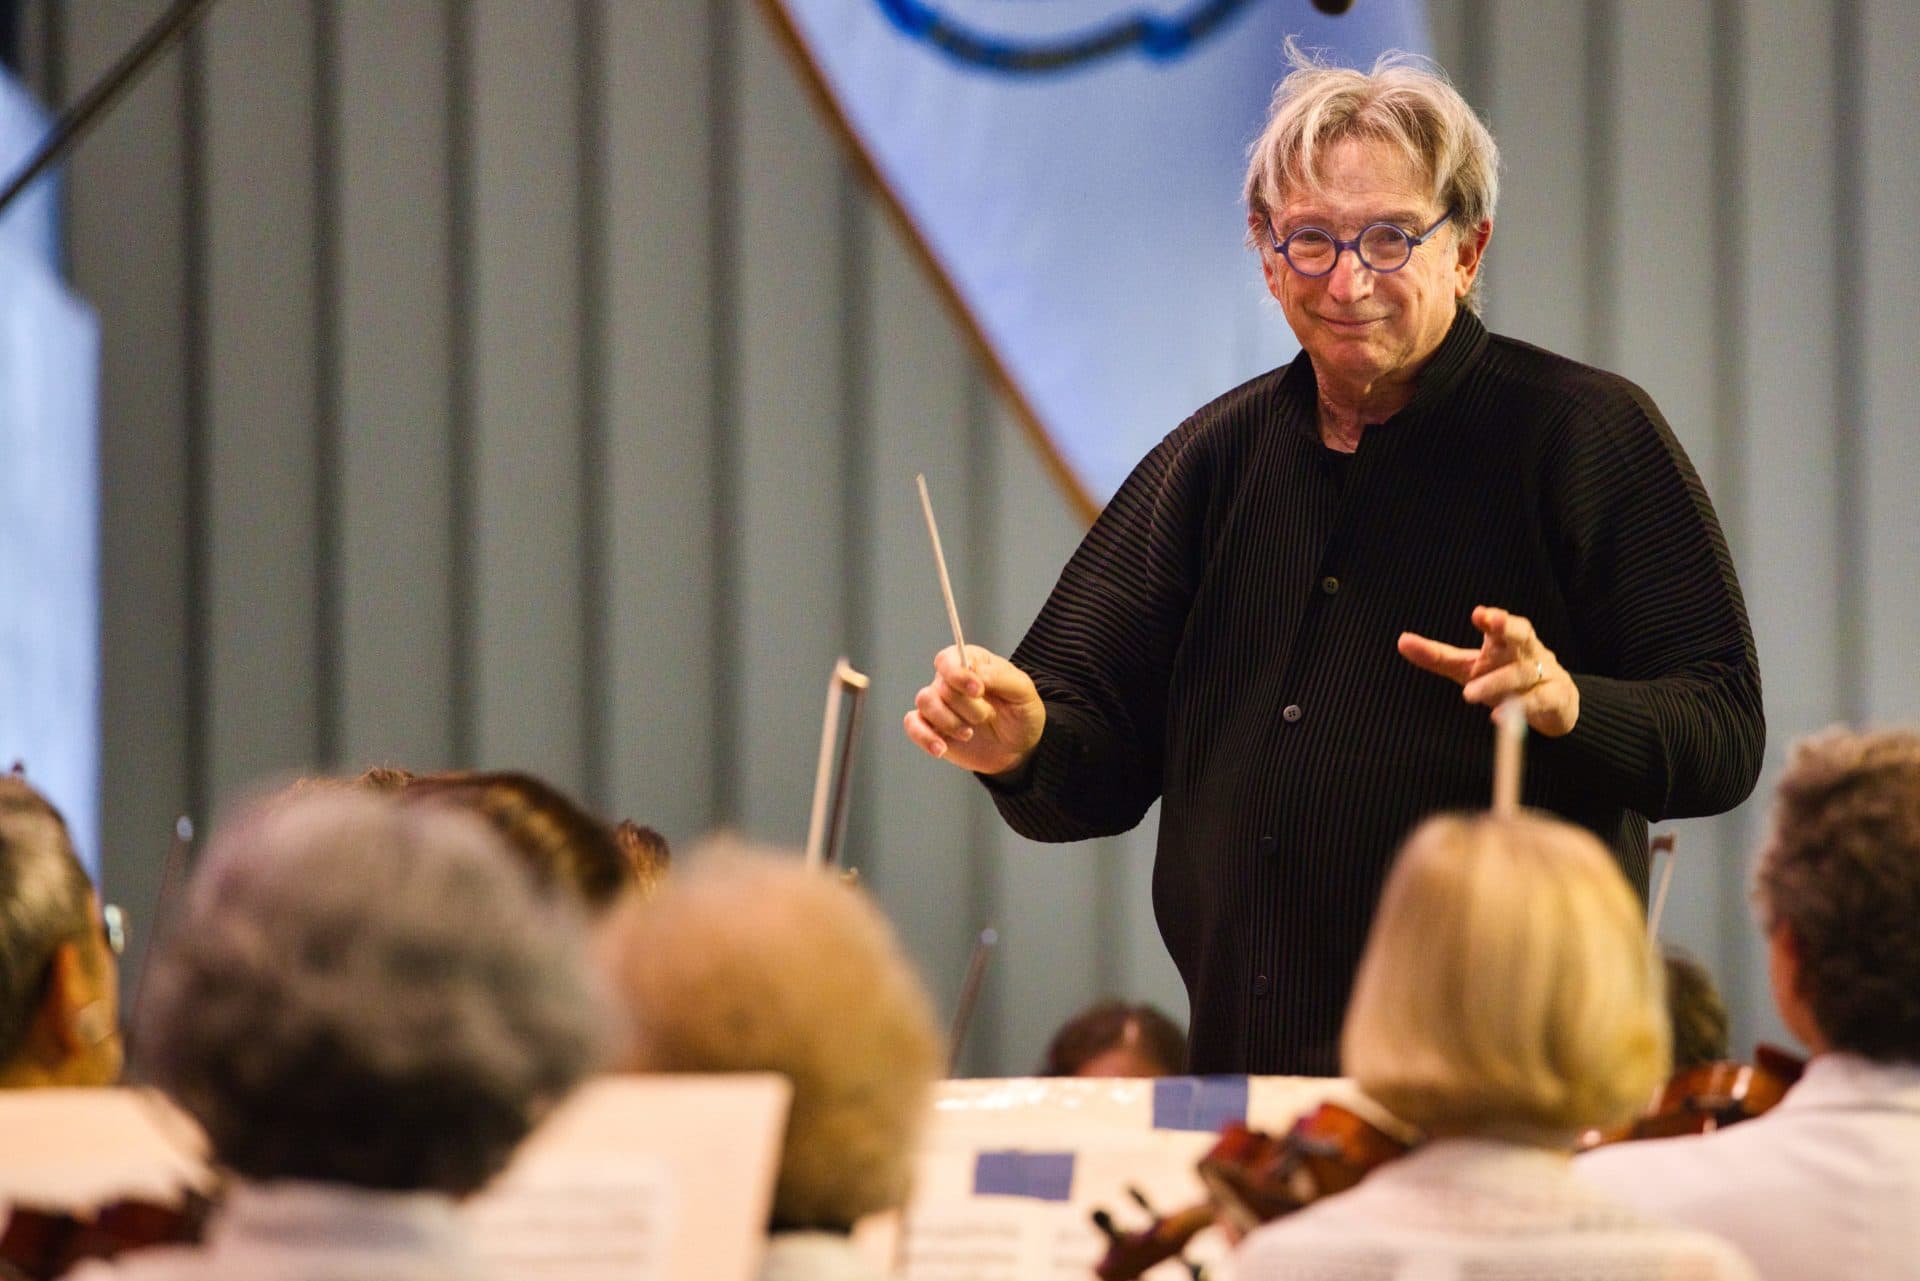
column 1506, row 1001
column 753, row 962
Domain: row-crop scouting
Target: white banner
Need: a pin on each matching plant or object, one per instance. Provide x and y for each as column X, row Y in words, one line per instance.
column 1073, row 168
column 49, row 499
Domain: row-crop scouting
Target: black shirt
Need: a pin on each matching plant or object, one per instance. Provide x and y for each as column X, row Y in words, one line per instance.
column 1224, row 640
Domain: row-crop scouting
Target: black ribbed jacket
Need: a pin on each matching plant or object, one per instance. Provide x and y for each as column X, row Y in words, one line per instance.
column 1224, row 639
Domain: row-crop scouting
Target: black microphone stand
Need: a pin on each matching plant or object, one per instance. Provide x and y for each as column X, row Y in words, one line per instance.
column 84, row 114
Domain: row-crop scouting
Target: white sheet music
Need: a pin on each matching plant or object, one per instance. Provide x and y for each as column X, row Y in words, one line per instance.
column 640, row 1178
column 578, row 1220
column 1005, row 1240
column 953, row 1232
column 73, row 1149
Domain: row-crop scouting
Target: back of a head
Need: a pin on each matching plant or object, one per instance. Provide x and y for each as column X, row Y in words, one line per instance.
column 368, row 994
column 1507, row 986
column 1695, row 1010
column 566, row 848
column 756, row 963
column 1113, row 1034
column 1841, row 870
column 46, row 901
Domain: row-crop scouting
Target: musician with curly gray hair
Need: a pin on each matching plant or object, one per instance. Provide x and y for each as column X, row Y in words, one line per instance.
column 367, row 1007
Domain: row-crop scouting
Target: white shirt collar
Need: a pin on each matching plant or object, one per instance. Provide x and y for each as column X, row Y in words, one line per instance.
column 292, row 1212
column 1842, row 1080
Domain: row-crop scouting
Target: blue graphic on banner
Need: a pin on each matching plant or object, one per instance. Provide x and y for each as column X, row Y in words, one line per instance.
column 49, row 505
column 1043, row 1176
column 1073, row 167
column 981, row 46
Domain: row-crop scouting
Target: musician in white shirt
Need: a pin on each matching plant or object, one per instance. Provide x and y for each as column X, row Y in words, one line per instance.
column 1506, row 1001
column 1827, row 1184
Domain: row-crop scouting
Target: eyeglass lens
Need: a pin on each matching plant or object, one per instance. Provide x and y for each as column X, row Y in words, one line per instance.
column 1383, row 247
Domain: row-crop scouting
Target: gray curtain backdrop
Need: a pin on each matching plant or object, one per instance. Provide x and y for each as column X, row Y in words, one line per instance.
column 531, row 383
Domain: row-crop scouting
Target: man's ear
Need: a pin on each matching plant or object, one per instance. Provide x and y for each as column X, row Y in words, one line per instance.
column 1784, row 955
column 1470, row 250
column 1271, row 264
column 70, row 993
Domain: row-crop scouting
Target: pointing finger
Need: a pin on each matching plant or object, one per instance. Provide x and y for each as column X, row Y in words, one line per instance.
column 1437, row 657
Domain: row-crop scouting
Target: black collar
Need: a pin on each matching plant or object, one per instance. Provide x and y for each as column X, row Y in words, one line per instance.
column 1457, row 353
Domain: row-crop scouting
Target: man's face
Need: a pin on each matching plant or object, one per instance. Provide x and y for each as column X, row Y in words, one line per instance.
column 1362, row 328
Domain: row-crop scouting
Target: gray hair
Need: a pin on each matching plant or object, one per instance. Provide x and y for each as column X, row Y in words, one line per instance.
column 1841, row 871
column 1405, row 101
column 45, row 899
column 367, row 994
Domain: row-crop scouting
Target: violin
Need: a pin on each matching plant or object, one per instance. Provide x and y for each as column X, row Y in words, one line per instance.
column 1253, row 1178
column 1709, row 1097
column 40, row 1245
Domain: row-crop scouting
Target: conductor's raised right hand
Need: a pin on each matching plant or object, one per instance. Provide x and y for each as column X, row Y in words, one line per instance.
column 985, row 715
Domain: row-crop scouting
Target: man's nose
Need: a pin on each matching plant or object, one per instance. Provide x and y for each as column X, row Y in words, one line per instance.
column 1350, row 278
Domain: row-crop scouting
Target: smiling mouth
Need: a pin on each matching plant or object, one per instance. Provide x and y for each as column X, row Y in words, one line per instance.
column 1352, row 323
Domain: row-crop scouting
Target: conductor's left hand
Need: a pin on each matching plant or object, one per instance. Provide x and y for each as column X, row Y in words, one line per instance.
column 1512, row 662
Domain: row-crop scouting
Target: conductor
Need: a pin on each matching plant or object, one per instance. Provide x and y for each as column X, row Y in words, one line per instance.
column 1291, row 623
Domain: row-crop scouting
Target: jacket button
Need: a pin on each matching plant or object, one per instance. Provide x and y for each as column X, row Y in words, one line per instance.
column 1290, row 713
column 1329, row 584
column 1267, row 844
column 1261, row 985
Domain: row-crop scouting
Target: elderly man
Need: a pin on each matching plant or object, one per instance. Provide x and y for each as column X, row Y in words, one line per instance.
column 1827, row 1184
column 59, row 989
column 1250, row 632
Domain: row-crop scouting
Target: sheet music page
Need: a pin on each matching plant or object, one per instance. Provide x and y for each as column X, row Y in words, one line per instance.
column 579, row 1220
column 640, row 1178
column 990, row 1240
column 1011, row 1170
column 78, row 1149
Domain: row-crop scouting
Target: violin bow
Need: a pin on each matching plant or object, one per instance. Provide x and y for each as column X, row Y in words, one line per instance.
column 833, row 772
column 969, row 995
column 1661, row 844
column 171, row 873
column 121, row 77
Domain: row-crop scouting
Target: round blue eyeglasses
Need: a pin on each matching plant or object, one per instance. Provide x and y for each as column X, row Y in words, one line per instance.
column 1381, row 247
